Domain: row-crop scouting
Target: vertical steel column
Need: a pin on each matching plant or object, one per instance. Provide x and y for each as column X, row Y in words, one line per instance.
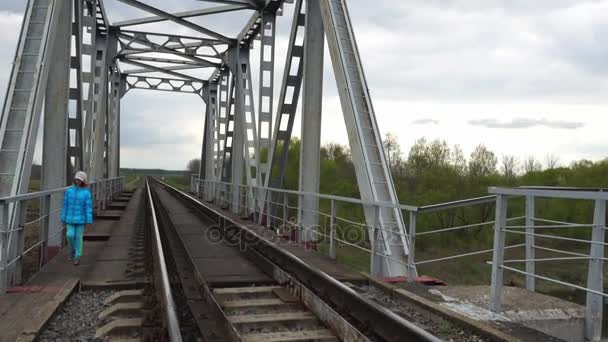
column 530, row 250
column 595, row 277
column 89, row 14
column 111, row 90
column 222, row 122
column 286, row 108
column 99, row 114
column 288, row 100
column 266, row 94
column 75, row 147
column 312, row 106
column 238, row 138
column 499, row 252
column 113, row 123
column 55, row 138
column 207, row 155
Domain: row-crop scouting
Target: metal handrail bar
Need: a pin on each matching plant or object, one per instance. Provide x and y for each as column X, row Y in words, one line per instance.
column 465, row 255
column 553, row 193
column 325, row 196
column 552, row 226
column 550, row 259
column 558, row 250
column 553, row 221
column 556, row 237
column 552, row 280
column 473, row 225
column 457, row 204
column 37, row 194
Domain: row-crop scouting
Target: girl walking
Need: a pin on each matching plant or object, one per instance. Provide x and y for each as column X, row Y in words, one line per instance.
column 77, row 211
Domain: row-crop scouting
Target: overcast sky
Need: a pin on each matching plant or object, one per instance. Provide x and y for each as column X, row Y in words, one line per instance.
column 526, row 78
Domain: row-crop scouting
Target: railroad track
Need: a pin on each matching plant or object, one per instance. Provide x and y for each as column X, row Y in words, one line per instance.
column 297, row 303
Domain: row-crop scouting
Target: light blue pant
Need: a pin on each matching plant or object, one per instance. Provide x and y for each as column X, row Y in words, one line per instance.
column 74, row 235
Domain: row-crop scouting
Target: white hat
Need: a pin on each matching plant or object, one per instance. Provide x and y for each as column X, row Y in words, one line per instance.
column 82, row 176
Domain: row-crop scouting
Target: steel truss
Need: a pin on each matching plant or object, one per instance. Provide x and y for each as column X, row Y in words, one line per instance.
column 243, row 140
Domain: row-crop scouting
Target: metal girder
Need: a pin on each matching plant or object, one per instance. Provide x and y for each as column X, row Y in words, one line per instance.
column 113, row 146
column 249, row 3
column 55, row 137
column 101, row 18
column 252, row 29
column 226, row 166
column 176, row 20
column 75, row 153
column 312, row 104
column 90, row 25
column 140, row 38
column 285, row 118
column 266, row 93
column 221, row 125
column 245, row 147
column 99, row 114
column 207, row 170
column 138, row 52
column 162, row 84
column 19, row 124
column 159, row 69
column 371, row 168
column 176, row 38
column 205, row 64
column 171, row 68
column 182, row 15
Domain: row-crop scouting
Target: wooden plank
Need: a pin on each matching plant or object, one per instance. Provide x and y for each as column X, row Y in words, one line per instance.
column 244, row 290
column 280, row 317
column 252, row 303
column 305, row 335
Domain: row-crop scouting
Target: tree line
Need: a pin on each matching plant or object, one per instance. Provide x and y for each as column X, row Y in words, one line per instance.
column 435, row 172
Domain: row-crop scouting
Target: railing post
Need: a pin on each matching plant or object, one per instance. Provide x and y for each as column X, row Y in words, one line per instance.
column 268, row 195
column 102, row 195
column 595, row 277
column 300, row 225
column 530, row 251
column 499, row 252
column 255, row 204
column 411, row 257
column 285, row 203
column 17, row 267
column 332, row 231
column 375, row 260
column 4, row 247
column 45, row 211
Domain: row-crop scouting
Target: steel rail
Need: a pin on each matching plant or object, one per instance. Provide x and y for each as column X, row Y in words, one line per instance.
column 170, row 308
column 380, row 321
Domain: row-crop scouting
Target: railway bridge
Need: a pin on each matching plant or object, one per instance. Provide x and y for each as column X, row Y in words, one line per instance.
column 237, row 256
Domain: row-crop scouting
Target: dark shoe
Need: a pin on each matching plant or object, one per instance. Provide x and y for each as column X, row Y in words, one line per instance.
column 76, row 262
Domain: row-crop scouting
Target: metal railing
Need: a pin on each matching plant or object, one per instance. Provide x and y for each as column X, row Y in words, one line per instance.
column 169, row 307
column 594, row 289
column 46, row 223
column 342, row 225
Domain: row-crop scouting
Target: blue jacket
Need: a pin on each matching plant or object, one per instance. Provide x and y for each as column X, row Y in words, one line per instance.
column 77, row 206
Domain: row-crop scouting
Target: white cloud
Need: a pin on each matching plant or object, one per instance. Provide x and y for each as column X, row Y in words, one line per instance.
column 530, row 63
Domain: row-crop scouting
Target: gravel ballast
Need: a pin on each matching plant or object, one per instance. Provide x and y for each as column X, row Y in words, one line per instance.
column 77, row 320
